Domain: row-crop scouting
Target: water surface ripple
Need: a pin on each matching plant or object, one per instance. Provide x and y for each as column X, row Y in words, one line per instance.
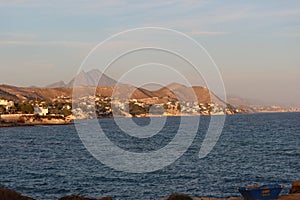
column 50, row 162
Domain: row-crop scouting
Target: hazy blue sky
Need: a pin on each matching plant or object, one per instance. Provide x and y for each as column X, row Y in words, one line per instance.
column 256, row 44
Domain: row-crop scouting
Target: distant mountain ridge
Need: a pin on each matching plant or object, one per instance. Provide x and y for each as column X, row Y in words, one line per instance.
column 59, row 84
column 90, row 78
column 171, row 92
column 85, row 83
column 174, row 90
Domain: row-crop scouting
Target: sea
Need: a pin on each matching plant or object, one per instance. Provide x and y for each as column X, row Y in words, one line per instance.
column 48, row 162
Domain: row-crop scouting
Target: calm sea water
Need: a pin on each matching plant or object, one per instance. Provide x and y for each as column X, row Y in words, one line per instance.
column 50, row 162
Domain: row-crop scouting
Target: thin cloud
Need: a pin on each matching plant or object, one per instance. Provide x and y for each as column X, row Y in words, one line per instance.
column 206, row 20
column 291, row 34
column 17, row 2
column 45, row 43
column 283, row 13
column 195, row 33
column 17, row 36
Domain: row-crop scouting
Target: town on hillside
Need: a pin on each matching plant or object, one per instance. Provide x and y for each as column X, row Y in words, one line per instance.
column 34, row 112
column 59, row 109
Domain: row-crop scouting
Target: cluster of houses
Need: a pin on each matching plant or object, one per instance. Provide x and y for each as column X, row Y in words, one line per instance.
column 34, row 112
column 6, row 104
column 99, row 106
column 88, row 107
column 9, row 106
column 38, row 107
column 93, row 106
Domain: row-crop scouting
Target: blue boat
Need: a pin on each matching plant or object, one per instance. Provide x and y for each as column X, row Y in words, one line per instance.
column 262, row 192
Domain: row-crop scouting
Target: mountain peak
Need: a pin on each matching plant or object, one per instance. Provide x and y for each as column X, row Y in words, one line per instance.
column 59, row 84
column 93, row 77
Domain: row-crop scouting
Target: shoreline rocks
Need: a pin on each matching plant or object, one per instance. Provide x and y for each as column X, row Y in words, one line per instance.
column 77, row 197
column 179, row 197
column 295, row 187
column 8, row 194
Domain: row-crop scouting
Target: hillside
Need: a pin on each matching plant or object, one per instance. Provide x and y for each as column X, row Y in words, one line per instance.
column 171, row 92
column 21, row 93
column 85, row 83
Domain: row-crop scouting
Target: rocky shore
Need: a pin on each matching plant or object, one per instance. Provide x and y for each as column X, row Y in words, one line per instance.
column 8, row 194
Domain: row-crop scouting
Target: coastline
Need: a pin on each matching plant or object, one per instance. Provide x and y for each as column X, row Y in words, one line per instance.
column 9, row 194
column 8, row 125
column 15, row 123
column 15, row 120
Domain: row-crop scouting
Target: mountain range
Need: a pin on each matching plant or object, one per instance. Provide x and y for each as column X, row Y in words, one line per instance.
column 87, row 83
column 171, row 92
column 91, row 77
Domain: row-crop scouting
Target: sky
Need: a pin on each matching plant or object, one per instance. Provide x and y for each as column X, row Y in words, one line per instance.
column 255, row 44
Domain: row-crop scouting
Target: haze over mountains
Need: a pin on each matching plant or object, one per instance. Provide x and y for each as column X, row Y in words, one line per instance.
column 90, row 78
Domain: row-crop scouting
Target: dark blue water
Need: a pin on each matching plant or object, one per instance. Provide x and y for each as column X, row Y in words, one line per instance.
column 50, row 162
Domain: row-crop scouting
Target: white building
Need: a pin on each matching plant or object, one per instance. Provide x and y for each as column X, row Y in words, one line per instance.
column 6, row 104
column 40, row 111
column 3, row 102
